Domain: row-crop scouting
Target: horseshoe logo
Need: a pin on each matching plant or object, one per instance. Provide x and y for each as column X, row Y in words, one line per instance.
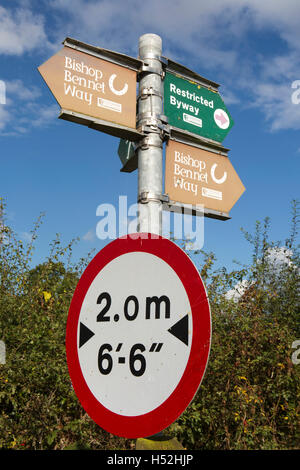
column 111, row 86
column 217, row 180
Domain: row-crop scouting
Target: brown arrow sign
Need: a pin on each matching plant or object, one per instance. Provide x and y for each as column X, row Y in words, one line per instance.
column 199, row 177
column 92, row 88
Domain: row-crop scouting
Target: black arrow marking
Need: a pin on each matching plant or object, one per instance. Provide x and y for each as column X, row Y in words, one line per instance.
column 181, row 330
column 84, row 334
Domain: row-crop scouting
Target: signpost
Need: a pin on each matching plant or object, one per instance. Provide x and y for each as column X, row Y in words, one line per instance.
column 139, row 328
column 195, row 108
column 196, row 176
column 94, row 88
column 138, row 335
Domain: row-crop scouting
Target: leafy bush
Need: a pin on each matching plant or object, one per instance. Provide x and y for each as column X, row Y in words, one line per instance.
column 38, row 407
column 249, row 398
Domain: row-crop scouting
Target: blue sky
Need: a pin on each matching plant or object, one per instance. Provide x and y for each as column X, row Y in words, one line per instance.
column 65, row 170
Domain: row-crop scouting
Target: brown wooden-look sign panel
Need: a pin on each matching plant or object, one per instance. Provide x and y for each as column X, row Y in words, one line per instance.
column 196, row 176
column 88, row 85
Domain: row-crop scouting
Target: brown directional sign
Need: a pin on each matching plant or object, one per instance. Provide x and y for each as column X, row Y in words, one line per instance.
column 195, row 176
column 89, row 89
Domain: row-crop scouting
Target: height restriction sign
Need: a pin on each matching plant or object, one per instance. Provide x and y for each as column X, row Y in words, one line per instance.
column 138, row 335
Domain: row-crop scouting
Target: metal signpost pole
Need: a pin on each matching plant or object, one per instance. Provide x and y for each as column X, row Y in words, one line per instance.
column 150, row 150
column 150, row 163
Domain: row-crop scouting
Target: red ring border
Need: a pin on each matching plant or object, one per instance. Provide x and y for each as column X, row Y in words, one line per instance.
column 161, row 417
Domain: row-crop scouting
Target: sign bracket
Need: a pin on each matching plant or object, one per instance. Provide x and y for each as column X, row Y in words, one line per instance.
column 145, row 92
column 180, row 208
column 116, row 130
column 188, row 138
column 150, row 140
column 151, row 196
column 197, row 210
column 146, row 68
column 184, row 72
column 110, row 56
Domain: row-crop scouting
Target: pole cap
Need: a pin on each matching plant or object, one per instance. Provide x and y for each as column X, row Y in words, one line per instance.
column 150, row 43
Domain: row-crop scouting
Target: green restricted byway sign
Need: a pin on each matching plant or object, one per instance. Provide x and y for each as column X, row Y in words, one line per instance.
column 196, row 109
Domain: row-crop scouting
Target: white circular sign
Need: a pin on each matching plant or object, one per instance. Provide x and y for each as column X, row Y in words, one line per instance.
column 138, row 335
column 221, row 118
column 145, row 299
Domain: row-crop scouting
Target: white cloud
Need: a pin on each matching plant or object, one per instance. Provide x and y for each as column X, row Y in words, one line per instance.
column 17, row 89
column 281, row 16
column 229, row 97
column 279, row 258
column 45, row 115
column 23, row 109
column 5, row 117
column 270, row 90
column 89, row 236
column 26, row 236
column 238, row 291
column 274, row 100
column 20, row 31
column 214, row 35
column 199, row 27
column 118, row 25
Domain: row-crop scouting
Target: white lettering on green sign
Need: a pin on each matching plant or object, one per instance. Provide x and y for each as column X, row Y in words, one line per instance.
column 194, row 108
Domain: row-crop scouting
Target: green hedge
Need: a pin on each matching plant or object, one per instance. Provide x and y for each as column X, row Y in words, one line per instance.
column 249, row 397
